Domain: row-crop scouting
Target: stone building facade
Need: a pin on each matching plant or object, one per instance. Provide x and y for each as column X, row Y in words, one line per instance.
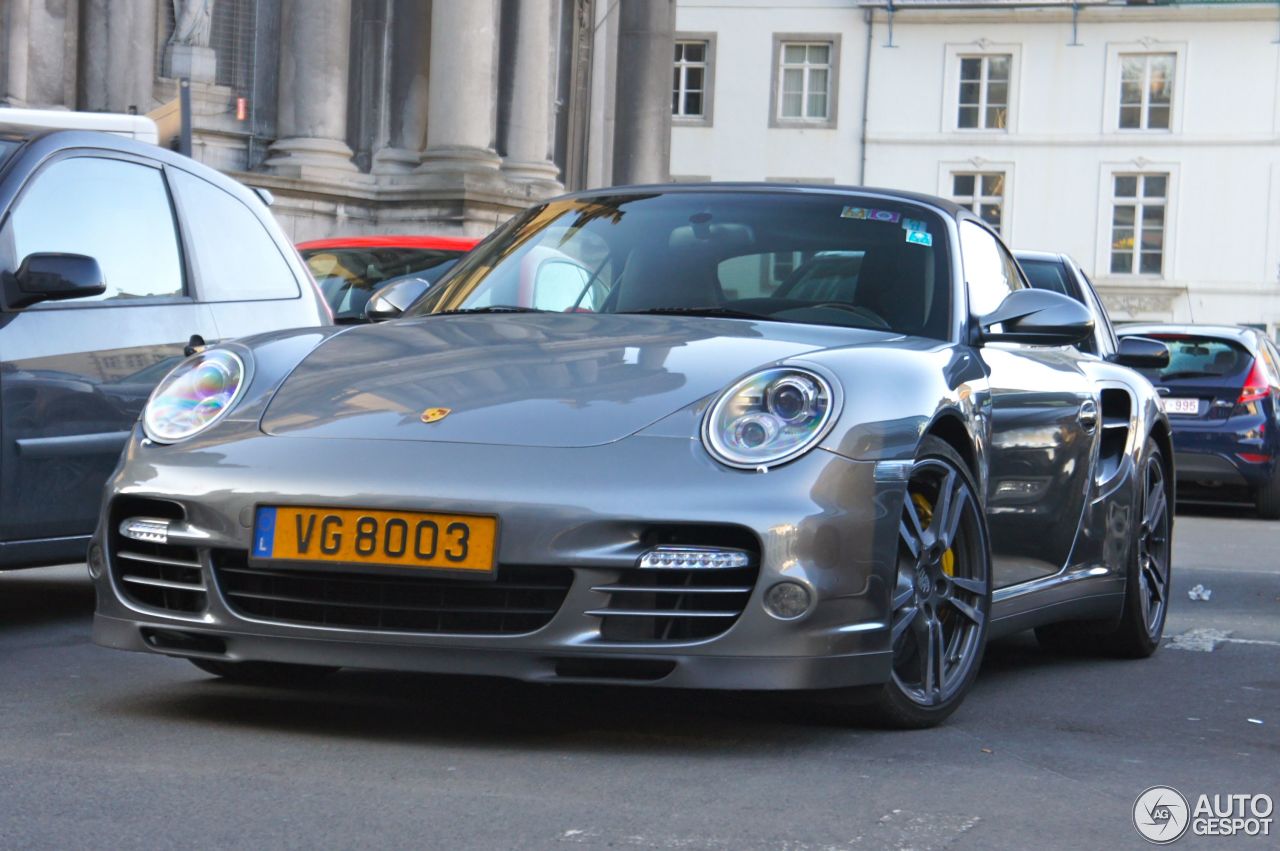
column 367, row 116
column 1142, row 138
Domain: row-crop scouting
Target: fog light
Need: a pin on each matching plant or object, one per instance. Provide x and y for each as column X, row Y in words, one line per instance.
column 787, row 600
column 683, row 558
column 154, row 530
column 96, row 561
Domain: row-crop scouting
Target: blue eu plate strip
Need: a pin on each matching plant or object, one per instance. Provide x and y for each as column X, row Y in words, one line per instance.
column 264, row 532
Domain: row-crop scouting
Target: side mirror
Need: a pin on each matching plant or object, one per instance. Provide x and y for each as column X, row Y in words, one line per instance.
column 1037, row 317
column 1141, row 353
column 394, row 299
column 50, row 277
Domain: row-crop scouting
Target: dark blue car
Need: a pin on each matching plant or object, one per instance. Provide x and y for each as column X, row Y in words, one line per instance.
column 1220, row 391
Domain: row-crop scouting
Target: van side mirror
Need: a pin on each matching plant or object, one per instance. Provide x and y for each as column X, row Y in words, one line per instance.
column 53, row 277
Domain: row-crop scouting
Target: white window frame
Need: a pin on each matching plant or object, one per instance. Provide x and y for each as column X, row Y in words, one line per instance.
column 948, row 169
column 780, row 41
column 1144, row 104
column 978, row 198
column 708, row 79
column 1111, row 99
column 1102, row 273
column 953, row 53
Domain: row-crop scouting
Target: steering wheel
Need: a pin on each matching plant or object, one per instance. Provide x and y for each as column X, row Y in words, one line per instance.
column 862, row 312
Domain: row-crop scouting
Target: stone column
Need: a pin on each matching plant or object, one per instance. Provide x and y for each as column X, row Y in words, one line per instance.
column 529, row 112
column 463, row 88
column 17, row 47
column 642, row 109
column 407, row 88
column 119, row 66
column 315, row 51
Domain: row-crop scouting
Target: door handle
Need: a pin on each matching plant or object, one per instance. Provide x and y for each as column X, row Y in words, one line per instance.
column 194, row 345
column 1088, row 415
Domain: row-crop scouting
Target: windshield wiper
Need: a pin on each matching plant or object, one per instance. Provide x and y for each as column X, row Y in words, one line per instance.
column 491, row 308
column 722, row 312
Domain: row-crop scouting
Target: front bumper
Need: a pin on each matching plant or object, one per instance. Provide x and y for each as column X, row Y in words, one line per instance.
column 823, row 521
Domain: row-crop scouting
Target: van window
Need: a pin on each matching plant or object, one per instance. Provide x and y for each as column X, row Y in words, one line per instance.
column 114, row 211
column 235, row 257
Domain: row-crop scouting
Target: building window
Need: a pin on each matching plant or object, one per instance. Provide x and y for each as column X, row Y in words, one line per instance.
column 1146, row 90
column 689, row 85
column 806, row 75
column 1137, row 223
column 984, row 92
column 982, row 192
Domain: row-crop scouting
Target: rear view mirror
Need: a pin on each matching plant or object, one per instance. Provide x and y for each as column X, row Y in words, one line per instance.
column 394, row 299
column 1141, row 353
column 50, row 277
column 1038, row 317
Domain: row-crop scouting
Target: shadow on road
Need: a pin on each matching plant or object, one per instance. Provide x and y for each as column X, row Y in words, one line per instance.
column 45, row 595
column 478, row 712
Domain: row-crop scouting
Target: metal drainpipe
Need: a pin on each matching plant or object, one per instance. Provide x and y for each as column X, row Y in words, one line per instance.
column 866, row 97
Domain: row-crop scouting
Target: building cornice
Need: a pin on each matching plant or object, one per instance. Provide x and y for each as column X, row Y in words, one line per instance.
column 1088, row 14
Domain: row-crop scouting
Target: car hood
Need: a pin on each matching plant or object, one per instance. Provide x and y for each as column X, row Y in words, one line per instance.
column 555, row 380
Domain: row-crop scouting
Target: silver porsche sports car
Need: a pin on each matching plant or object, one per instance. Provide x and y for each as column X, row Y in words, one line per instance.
column 721, row 436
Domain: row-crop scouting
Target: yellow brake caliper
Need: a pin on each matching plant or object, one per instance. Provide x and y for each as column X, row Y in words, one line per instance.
column 926, row 517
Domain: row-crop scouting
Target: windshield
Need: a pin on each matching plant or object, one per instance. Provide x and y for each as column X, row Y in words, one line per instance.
column 1199, row 358
column 816, row 258
column 349, row 276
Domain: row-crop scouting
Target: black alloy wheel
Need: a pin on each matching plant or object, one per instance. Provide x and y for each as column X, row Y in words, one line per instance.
column 942, row 598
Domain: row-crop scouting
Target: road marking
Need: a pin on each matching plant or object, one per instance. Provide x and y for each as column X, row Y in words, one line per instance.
column 1205, row 639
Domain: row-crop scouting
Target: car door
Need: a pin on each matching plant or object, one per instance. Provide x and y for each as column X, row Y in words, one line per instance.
column 1043, row 421
column 77, row 373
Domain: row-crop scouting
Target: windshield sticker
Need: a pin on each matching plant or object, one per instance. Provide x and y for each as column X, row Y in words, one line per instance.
column 915, row 224
column 919, row 237
column 869, row 214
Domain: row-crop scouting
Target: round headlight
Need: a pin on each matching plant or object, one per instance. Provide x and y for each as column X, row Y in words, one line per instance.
column 769, row 418
column 198, row 392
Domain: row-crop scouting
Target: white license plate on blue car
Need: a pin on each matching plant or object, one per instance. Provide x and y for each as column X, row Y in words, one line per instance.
column 1185, row 407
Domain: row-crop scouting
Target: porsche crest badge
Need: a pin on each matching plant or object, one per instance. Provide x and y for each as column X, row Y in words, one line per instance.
column 435, row 415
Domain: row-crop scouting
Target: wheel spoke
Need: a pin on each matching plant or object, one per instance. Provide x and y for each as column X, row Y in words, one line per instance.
column 934, row 663
column 1155, row 581
column 911, row 529
column 1156, row 506
column 943, row 507
column 955, row 513
column 901, row 594
column 971, row 612
column 902, row 618
column 973, row 586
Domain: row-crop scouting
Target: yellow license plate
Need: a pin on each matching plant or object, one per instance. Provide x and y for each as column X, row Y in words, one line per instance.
column 361, row 536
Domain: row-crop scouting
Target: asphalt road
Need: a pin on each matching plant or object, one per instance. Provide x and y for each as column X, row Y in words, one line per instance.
column 102, row 749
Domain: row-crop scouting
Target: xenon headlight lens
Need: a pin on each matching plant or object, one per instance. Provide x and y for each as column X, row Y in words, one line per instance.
column 768, row 418
column 198, row 392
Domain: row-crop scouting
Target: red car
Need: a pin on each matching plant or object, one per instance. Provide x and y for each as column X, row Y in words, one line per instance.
column 351, row 269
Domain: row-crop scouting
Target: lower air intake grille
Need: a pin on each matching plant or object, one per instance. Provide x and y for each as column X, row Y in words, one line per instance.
column 667, row 604
column 161, row 576
column 519, row 600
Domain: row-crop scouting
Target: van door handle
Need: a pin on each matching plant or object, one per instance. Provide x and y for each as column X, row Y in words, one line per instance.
column 1088, row 415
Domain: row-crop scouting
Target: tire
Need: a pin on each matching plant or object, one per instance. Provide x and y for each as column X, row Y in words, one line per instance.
column 1147, row 579
column 264, row 673
column 1267, row 498
column 941, row 604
